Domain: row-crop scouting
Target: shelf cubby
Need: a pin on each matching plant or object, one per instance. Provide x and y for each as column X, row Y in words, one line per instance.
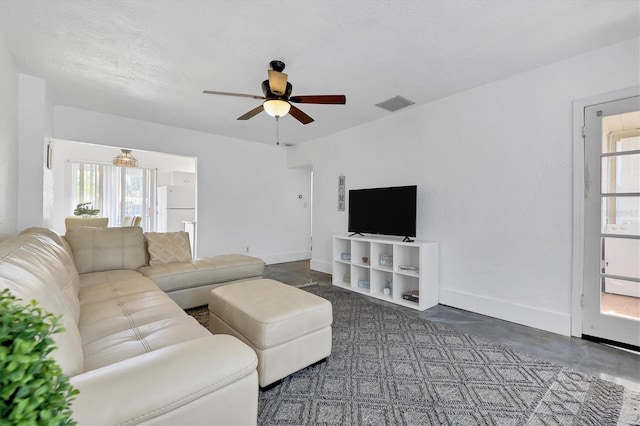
column 341, row 246
column 420, row 256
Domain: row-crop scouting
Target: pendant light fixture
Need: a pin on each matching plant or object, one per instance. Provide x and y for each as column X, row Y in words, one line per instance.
column 125, row 159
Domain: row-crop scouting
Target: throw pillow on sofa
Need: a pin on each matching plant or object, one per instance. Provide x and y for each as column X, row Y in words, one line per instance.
column 106, row 249
column 168, row 247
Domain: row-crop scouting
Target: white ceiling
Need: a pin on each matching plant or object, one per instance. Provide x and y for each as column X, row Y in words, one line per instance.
column 151, row 59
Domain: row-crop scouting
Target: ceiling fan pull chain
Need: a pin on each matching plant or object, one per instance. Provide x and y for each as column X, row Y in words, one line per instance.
column 277, row 130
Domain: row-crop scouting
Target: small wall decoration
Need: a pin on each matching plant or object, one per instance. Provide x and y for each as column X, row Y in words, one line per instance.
column 341, row 200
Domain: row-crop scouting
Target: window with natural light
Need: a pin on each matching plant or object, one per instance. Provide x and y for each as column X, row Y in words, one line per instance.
column 116, row 191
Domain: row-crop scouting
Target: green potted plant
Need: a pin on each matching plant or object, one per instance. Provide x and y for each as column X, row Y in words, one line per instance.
column 85, row 210
column 33, row 389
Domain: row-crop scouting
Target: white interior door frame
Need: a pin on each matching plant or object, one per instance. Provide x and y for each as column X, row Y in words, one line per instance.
column 577, row 258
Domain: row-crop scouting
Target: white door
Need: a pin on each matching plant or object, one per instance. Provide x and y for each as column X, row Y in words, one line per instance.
column 611, row 287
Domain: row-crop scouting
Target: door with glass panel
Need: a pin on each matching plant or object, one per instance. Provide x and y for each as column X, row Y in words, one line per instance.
column 611, row 287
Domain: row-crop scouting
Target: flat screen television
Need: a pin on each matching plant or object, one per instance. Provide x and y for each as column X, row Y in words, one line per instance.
column 385, row 211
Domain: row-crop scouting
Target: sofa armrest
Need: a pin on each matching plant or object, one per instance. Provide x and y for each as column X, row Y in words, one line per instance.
column 149, row 386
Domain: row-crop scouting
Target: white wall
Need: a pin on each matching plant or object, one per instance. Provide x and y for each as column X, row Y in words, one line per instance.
column 8, row 143
column 247, row 197
column 48, row 185
column 26, row 185
column 493, row 167
column 35, row 181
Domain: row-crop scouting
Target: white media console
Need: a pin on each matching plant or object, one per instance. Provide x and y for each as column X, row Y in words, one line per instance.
column 402, row 267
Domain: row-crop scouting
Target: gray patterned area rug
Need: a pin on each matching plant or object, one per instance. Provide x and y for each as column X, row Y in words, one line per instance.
column 390, row 367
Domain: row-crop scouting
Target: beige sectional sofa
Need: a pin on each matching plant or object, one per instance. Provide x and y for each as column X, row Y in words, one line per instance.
column 167, row 262
column 131, row 351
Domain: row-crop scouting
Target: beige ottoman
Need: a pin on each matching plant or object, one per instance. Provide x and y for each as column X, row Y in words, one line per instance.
column 288, row 328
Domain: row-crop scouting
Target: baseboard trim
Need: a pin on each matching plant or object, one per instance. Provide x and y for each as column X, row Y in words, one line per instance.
column 271, row 259
column 321, row 266
column 555, row 322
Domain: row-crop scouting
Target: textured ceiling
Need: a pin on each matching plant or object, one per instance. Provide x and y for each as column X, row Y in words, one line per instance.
column 151, row 59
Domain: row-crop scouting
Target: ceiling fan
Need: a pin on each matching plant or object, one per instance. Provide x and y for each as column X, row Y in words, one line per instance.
column 277, row 97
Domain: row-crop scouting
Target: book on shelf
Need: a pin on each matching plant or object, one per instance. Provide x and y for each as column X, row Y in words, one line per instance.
column 412, row 296
column 410, row 268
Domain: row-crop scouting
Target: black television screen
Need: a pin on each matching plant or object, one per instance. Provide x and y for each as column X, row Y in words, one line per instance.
column 386, row 211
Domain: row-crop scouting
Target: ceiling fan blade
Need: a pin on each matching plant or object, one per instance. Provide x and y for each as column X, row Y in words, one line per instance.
column 240, row 95
column 299, row 115
column 257, row 110
column 277, row 82
column 319, row 99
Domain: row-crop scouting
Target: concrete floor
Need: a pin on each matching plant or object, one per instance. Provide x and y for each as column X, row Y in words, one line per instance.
column 608, row 363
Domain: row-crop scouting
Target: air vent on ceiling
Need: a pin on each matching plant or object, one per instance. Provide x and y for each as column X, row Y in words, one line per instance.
column 394, row 104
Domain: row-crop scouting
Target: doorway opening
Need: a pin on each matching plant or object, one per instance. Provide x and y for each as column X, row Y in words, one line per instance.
column 607, row 220
column 160, row 169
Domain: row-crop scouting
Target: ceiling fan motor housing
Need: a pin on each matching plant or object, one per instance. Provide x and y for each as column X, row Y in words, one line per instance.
column 277, row 65
column 266, row 89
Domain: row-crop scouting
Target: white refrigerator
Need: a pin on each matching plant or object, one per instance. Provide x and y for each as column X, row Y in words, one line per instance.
column 176, row 204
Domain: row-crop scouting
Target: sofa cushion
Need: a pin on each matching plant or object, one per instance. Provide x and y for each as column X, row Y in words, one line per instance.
column 125, row 314
column 104, row 249
column 205, row 381
column 203, row 271
column 34, row 267
column 58, row 239
column 69, row 281
column 168, row 247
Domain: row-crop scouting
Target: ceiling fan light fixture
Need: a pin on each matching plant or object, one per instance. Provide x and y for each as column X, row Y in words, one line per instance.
column 276, row 107
column 125, row 159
